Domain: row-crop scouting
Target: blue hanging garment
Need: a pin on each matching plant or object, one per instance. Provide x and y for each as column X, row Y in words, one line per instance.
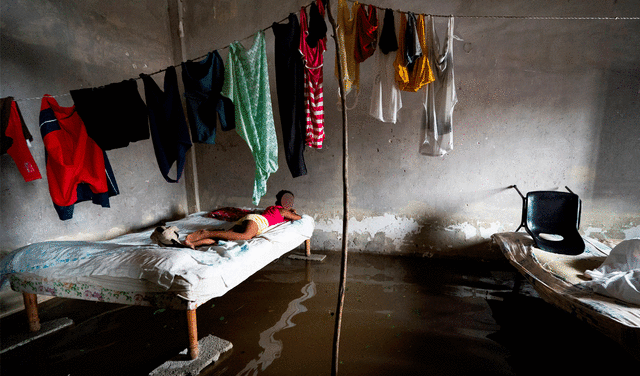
column 203, row 82
column 168, row 125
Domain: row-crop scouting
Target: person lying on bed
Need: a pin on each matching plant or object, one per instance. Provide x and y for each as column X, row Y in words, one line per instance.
column 250, row 225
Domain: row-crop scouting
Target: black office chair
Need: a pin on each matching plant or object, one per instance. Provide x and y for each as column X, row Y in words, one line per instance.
column 552, row 219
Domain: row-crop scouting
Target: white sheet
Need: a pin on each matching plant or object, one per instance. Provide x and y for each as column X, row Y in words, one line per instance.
column 132, row 260
column 619, row 274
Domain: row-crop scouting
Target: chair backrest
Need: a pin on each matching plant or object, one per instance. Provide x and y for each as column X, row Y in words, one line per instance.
column 553, row 212
column 552, row 219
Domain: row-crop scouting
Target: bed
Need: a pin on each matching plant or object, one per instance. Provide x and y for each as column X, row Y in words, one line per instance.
column 577, row 285
column 131, row 269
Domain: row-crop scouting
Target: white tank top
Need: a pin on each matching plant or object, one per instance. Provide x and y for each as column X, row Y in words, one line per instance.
column 440, row 95
column 385, row 94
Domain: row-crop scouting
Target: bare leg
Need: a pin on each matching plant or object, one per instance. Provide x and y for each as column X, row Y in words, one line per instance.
column 208, row 237
column 205, row 241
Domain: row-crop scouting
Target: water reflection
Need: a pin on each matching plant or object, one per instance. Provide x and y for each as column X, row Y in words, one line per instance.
column 273, row 347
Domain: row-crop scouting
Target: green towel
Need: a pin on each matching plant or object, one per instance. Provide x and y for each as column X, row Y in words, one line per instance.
column 246, row 83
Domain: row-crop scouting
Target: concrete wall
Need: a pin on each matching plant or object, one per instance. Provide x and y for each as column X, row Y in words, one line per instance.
column 52, row 47
column 543, row 104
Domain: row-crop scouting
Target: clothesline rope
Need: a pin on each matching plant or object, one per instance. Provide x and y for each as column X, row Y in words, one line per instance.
column 48, row 96
column 554, row 18
column 569, row 18
column 174, row 66
column 227, row 46
column 597, row 18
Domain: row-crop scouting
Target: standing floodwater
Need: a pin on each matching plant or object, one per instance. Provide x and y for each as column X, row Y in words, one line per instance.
column 402, row 316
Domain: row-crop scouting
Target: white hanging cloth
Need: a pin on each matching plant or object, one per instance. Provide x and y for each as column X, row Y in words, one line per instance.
column 386, row 99
column 440, row 95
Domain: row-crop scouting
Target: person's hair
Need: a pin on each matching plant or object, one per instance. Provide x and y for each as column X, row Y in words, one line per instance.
column 280, row 194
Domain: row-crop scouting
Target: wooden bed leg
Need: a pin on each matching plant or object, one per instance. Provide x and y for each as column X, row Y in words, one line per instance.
column 192, row 324
column 31, row 306
column 307, row 253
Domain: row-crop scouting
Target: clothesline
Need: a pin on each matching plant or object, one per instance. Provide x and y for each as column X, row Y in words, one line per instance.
column 569, row 18
column 563, row 18
column 174, row 66
column 227, row 46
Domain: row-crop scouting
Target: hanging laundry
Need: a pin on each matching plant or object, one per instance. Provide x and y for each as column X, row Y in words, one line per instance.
column 13, row 139
column 290, row 90
column 412, row 47
column 6, row 113
column 113, row 115
column 366, row 33
column 412, row 76
column 77, row 169
column 388, row 40
column 247, row 84
column 203, row 81
column 169, row 131
column 346, row 37
column 313, row 79
column 386, row 99
column 317, row 26
column 440, row 95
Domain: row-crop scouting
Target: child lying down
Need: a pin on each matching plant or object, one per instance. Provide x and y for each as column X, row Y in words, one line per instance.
column 250, row 225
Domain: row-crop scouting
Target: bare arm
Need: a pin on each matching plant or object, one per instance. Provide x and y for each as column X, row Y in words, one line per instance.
column 290, row 214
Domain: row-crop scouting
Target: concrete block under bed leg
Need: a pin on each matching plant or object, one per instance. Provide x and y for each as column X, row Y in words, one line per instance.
column 36, row 329
column 200, row 353
column 307, row 255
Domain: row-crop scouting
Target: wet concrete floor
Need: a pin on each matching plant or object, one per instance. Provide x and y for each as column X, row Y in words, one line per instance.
column 403, row 316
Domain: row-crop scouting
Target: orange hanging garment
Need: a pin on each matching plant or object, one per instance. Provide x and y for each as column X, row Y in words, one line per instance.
column 412, row 77
column 346, row 34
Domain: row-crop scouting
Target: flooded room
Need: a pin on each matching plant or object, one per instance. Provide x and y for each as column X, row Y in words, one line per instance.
column 319, row 187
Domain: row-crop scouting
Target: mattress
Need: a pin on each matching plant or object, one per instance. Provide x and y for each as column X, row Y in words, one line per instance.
column 560, row 280
column 130, row 269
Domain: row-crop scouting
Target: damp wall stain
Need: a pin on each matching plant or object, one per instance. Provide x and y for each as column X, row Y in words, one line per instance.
column 395, row 234
column 388, row 230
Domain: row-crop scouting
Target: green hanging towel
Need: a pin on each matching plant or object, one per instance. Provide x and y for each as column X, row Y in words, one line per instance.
column 246, row 83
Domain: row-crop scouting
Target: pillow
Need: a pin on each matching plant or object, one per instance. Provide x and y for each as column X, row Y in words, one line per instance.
column 619, row 274
column 624, row 257
column 229, row 214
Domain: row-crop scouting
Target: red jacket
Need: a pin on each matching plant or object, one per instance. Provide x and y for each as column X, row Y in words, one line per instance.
column 76, row 168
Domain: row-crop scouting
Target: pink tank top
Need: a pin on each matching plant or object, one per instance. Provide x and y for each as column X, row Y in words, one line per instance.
column 272, row 214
